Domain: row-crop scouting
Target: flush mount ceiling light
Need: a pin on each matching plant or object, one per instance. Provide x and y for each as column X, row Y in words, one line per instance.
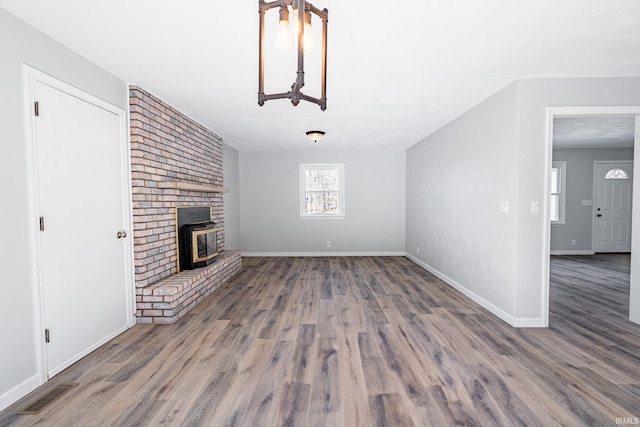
column 305, row 44
column 315, row 135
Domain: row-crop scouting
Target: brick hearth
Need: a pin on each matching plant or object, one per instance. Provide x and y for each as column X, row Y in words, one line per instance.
column 171, row 298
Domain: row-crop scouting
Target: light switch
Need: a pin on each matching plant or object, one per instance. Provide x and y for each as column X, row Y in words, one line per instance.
column 535, row 207
column 504, row 206
column 586, row 203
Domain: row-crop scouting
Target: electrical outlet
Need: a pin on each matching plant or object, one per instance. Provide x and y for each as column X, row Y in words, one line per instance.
column 573, row 243
column 417, row 250
column 328, row 244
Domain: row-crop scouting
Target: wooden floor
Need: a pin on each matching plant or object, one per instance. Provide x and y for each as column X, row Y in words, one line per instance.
column 364, row 342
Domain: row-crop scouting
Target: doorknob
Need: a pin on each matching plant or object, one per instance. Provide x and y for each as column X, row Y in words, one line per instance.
column 598, row 215
column 121, row 234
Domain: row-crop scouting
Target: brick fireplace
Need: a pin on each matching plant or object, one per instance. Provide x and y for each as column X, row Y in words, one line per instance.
column 175, row 162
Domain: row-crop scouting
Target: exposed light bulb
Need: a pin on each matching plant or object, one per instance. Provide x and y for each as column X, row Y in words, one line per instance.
column 283, row 38
column 309, row 42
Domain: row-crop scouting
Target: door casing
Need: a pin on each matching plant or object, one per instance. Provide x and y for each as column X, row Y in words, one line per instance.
column 30, row 77
column 578, row 111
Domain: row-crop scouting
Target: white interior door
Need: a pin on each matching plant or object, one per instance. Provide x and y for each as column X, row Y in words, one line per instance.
column 79, row 168
column 614, row 190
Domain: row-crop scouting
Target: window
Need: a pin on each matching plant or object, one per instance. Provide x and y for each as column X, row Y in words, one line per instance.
column 322, row 191
column 616, row 173
column 558, row 194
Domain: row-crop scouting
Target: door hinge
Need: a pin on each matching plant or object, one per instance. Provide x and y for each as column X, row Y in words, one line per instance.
column 36, row 108
column 41, row 223
column 46, row 335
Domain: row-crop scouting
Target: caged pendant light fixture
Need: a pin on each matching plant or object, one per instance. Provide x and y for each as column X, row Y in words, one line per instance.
column 304, row 43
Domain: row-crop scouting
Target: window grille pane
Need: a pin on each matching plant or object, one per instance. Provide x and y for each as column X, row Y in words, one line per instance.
column 321, row 202
column 555, row 180
column 321, row 180
column 555, row 207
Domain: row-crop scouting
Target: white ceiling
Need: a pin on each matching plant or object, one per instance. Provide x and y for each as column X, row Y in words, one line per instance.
column 397, row 71
column 593, row 132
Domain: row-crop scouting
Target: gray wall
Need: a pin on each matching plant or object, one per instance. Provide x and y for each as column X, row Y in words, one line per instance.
column 579, row 186
column 536, row 95
column 496, row 152
column 21, row 44
column 375, row 204
column 231, row 171
column 456, row 179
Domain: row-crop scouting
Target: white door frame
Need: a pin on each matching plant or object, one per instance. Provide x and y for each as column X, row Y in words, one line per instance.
column 30, row 77
column 553, row 112
column 595, row 199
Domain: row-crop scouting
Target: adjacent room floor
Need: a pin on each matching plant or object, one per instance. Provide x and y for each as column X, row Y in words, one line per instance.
column 362, row 341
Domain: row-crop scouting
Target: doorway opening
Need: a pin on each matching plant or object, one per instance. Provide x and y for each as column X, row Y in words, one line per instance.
column 591, row 141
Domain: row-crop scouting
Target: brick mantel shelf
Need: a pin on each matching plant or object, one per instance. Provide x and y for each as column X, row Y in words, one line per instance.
column 190, row 186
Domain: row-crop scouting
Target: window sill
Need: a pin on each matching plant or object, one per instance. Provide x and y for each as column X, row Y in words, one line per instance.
column 322, row 216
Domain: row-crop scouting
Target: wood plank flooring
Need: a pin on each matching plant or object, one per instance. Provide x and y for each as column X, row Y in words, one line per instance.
column 364, row 341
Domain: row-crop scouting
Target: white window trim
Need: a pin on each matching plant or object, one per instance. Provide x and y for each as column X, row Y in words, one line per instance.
column 562, row 166
column 341, row 189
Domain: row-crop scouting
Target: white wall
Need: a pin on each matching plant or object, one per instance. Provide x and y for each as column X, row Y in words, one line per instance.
column 231, row 172
column 21, row 44
column 456, row 179
column 375, row 204
column 579, row 186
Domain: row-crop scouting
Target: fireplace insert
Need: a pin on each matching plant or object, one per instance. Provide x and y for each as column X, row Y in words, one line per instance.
column 198, row 246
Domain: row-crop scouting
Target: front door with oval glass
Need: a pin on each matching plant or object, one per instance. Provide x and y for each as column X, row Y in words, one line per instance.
column 612, row 210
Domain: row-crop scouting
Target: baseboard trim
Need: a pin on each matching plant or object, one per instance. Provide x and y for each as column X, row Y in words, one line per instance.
column 509, row 319
column 532, row 322
column 17, row 393
column 319, row 254
column 572, row 252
